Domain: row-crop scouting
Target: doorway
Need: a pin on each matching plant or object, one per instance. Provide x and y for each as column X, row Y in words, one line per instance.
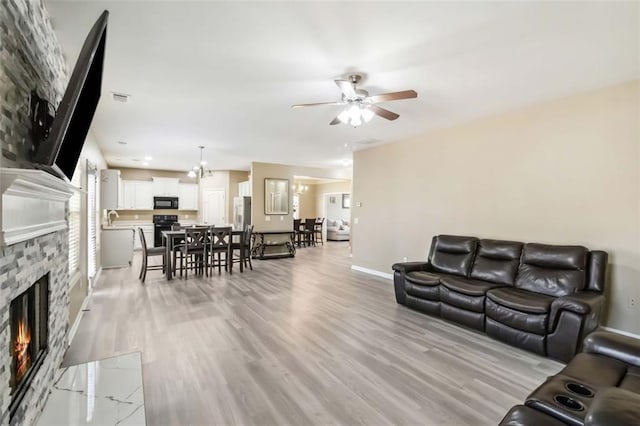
column 214, row 207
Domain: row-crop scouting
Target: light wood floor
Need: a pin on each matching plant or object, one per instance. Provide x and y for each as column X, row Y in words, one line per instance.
column 299, row 341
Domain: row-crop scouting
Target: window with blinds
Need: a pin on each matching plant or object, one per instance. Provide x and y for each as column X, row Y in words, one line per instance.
column 91, row 222
column 74, row 226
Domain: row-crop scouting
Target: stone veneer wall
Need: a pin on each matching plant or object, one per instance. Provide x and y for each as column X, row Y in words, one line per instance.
column 30, row 58
column 21, row 265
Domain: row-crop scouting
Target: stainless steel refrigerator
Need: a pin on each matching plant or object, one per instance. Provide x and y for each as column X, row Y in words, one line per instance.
column 241, row 212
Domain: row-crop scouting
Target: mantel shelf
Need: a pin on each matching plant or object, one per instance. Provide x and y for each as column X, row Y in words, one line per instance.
column 33, row 204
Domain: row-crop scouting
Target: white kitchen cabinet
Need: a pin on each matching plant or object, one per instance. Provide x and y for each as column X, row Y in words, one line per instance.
column 144, row 195
column 137, row 195
column 148, row 236
column 188, row 196
column 110, row 189
column 244, row 189
column 166, row 187
column 117, row 247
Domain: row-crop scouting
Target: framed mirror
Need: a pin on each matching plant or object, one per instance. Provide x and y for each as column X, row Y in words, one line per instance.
column 276, row 196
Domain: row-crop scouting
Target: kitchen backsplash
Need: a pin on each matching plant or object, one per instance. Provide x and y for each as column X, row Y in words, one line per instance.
column 147, row 215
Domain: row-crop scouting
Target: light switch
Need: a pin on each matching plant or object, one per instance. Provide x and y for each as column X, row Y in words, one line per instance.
column 355, row 220
column 281, row 218
column 267, row 218
column 358, row 204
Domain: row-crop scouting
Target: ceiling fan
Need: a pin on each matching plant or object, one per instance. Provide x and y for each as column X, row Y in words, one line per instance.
column 360, row 106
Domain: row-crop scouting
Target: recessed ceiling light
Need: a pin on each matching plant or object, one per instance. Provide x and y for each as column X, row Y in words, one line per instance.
column 147, row 158
column 145, row 164
column 135, row 159
column 122, row 142
column 346, row 162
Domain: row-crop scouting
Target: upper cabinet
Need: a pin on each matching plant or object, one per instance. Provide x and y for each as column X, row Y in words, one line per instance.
column 110, row 192
column 166, row 187
column 244, row 189
column 137, row 195
column 188, row 196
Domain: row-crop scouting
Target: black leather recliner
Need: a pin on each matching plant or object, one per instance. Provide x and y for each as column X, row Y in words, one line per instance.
column 543, row 298
column 599, row 387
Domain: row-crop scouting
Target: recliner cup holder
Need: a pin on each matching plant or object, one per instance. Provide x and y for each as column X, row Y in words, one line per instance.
column 579, row 389
column 568, row 402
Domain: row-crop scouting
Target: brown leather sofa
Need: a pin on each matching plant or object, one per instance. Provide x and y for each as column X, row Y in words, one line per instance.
column 599, row 387
column 543, row 298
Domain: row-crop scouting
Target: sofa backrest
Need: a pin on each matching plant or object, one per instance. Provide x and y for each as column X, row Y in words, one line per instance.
column 597, row 271
column 497, row 261
column 552, row 270
column 452, row 254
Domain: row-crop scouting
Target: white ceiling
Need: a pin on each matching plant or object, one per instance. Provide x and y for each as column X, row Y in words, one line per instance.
column 224, row 75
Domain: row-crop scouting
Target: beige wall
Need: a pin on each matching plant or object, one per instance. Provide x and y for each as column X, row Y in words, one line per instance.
column 260, row 171
column 329, row 188
column 561, row 172
column 308, row 203
column 228, row 181
column 149, row 174
column 235, row 177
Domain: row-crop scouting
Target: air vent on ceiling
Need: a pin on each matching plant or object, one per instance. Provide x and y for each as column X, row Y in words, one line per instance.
column 120, row 97
column 368, row 141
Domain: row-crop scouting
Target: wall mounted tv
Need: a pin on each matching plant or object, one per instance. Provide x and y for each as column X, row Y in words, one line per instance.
column 59, row 152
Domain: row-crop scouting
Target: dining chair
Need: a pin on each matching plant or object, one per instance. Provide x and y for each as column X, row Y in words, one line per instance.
column 317, row 229
column 220, row 243
column 147, row 253
column 244, row 249
column 297, row 233
column 194, row 251
column 177, row 227
column 309, row 233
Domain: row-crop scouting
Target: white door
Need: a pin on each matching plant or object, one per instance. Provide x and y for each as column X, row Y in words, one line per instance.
column 214, row 206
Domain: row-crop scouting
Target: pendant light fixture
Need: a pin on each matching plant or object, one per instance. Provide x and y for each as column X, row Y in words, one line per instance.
column 199, row 169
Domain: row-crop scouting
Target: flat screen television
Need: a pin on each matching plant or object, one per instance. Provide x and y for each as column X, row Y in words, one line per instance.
column 59, row 152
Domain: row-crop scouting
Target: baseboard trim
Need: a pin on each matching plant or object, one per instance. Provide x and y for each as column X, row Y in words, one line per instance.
column 372, row 272
column 76, row 323
column 624, row 333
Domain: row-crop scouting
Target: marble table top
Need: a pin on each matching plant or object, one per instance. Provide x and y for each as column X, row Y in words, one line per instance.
column 105, row 392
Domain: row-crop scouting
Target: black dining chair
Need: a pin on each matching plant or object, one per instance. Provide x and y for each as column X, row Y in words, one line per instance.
column 147, row 253
column 317, row 230
column 297, row 232
column 177, row 227
column 194, row 250
column 309, row 232
column 244, row 249
column 219, row 244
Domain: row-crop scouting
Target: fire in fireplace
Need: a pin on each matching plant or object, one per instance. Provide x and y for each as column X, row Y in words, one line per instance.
column 29, row 318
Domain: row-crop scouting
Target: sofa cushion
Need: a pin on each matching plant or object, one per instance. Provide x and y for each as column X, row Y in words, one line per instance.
column 467, row 286
column 521, row 300
column 463, row 301
column 497, row 261
column 423, row 278
column 552, row 270
column 521, row 415
column 532, row 323
column 613, row 406
column 453, row 254
column 631, row 381
column 428, row 292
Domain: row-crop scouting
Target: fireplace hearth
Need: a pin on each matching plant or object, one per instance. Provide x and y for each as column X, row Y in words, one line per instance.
column 29, row 317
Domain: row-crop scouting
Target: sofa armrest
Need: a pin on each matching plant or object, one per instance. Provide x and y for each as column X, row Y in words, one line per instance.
column 410, row 267
column 583, row 303
column 613, row 345
column 614, row 406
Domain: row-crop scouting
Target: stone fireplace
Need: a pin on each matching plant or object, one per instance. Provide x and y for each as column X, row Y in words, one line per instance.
column 34, row 290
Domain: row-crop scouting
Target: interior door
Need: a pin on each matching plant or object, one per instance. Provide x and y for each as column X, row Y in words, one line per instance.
column 214, row 207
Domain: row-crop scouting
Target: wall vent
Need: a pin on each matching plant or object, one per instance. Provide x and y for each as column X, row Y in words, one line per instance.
column 120, row 97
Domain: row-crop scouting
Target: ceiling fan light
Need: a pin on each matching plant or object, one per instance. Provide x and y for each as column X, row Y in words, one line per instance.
column 344, row 116
column 367, row 115
column 203, row 163
column 191, row 174
column 356, row 121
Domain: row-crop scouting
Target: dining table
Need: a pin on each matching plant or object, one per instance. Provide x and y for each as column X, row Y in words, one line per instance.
column 172, row 238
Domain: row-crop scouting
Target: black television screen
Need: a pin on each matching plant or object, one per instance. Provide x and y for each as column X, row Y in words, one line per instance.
column 60, row 152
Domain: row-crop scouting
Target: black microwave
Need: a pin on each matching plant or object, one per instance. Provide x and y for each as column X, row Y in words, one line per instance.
column 165, row 203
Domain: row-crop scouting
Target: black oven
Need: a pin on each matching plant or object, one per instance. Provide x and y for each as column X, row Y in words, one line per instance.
column 162, row 222
column 165, row 203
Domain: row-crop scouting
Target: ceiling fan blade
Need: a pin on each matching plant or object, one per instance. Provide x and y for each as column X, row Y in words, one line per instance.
column 393, row 96
column 384, row 113
column 335, row 121
column 316, row 104
column 347, row 88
